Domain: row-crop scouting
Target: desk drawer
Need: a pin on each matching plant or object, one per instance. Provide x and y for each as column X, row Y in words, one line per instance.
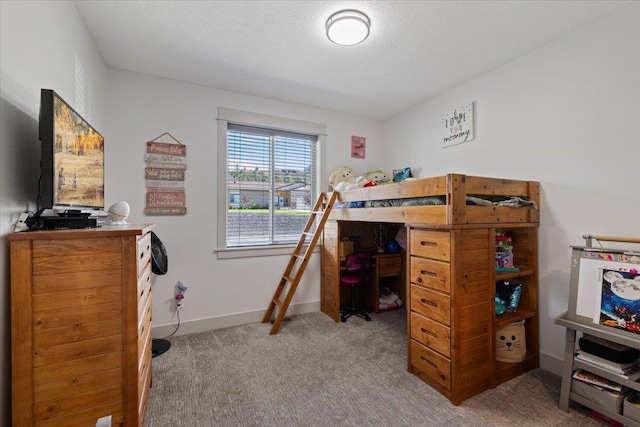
column 430, row 244
column 430, row 273
column 432, row 334
column 389, row 266
column 432, row 364
column 434, row 305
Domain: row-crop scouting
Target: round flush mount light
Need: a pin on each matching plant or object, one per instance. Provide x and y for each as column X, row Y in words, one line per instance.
column 348, row 27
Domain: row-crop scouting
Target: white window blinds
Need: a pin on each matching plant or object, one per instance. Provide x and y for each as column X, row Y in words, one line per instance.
column 271, row 185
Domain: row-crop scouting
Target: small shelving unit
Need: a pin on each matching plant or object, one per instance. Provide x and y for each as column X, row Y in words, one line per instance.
column 525, row 253
column 575, row 322
column 570, row 364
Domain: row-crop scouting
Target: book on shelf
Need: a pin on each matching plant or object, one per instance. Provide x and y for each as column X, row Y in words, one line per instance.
column 626, row 370
column 598, row 381
column 507, row 269
column 608, row 350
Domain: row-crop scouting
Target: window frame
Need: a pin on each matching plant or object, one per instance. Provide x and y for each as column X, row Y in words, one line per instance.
column 238, row 117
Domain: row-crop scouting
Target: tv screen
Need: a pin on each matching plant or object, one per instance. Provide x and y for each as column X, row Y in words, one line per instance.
column 72, row 159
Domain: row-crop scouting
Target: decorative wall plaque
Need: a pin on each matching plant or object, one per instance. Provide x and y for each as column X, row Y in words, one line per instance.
column 165, row 177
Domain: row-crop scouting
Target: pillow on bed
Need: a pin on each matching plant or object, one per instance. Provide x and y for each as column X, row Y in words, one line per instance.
column 400, row 175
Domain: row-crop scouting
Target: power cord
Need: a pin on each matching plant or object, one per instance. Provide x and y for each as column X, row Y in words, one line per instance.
column 179, row 297
column 177, row 326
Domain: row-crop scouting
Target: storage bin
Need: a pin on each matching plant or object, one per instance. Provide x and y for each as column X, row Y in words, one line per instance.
column 610, row 400
column 631, row 410
column 511, row 346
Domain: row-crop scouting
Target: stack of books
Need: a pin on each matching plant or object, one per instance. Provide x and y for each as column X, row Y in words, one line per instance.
column 629, row 370
column 610, row 357
column 597, row 381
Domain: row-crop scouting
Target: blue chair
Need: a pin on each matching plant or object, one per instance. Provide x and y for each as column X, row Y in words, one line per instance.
column 358, row 272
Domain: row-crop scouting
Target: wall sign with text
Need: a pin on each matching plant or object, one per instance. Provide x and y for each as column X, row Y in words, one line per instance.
column 458, row 125
column 164, row 176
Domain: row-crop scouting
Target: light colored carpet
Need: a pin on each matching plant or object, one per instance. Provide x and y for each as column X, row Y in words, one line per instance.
column 316, row 372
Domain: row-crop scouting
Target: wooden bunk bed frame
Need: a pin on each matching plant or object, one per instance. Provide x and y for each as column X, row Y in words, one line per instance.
column 454, row 212
column 450, row 275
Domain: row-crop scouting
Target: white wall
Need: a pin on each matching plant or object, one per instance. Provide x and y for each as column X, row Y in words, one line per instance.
column 220, row 292
column 42, row 45
column 566, row 115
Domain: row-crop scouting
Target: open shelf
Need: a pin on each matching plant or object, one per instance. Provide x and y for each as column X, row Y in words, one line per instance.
column 506, row 275
column 516, row 316
column 507, row 371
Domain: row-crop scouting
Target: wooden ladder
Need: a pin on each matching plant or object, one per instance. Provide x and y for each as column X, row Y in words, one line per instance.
column 299, row 260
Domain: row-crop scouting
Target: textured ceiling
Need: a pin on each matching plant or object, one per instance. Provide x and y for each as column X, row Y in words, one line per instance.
column 278, row 49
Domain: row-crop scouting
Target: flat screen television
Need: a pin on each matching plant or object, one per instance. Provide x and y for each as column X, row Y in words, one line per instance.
column 72, row 158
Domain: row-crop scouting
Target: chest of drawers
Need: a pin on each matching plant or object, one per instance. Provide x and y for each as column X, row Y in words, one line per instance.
column 450, row 309
column 451, row 312
column 81, row 323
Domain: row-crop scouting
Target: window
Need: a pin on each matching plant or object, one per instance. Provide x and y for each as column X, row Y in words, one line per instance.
column 268, row 181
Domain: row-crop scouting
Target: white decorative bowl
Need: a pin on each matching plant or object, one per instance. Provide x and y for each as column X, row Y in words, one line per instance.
column 118, row 213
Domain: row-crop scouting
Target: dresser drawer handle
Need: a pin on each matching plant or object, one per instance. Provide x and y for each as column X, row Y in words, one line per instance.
column 428, row 332
column 424, row 243
column 429, row 362
column 431, row 303
column 428, row 273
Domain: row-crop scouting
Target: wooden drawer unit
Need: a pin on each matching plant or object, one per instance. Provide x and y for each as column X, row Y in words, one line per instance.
column 81, row 320
column 432, row 304
column 430, row 244
column 430, row 273
column 389, row 266
column 434, row 365
column 431, row 333
column 451, row 327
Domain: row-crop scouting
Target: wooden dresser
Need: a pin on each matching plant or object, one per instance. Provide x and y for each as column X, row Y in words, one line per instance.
column 451, row 317
column 80, row 326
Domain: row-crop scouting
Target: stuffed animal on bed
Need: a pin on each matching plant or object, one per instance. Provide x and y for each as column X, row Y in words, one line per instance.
column 343, row 178
column 378, row 176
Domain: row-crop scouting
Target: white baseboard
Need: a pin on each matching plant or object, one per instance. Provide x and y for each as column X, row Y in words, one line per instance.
column 202, row 325
column 551, row 363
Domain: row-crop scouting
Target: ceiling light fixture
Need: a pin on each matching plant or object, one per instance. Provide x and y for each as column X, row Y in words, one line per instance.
column 348, row 27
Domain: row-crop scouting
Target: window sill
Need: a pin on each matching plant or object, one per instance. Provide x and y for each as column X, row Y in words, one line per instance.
column 257, row 251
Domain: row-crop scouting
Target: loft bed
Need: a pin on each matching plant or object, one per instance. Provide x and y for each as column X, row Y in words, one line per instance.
column 455, row 196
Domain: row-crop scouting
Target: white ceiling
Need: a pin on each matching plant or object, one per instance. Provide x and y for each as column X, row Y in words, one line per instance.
column 278, row 49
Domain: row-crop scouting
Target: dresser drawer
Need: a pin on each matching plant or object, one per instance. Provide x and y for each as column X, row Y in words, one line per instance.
column 430, row 273
column 144, row 329
column 434, row 305
column 389, row 266
column 430, row 244
column 144, row 316
column 432, row 364
column 143, row 252
column 144, row 289
column 432, row 334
